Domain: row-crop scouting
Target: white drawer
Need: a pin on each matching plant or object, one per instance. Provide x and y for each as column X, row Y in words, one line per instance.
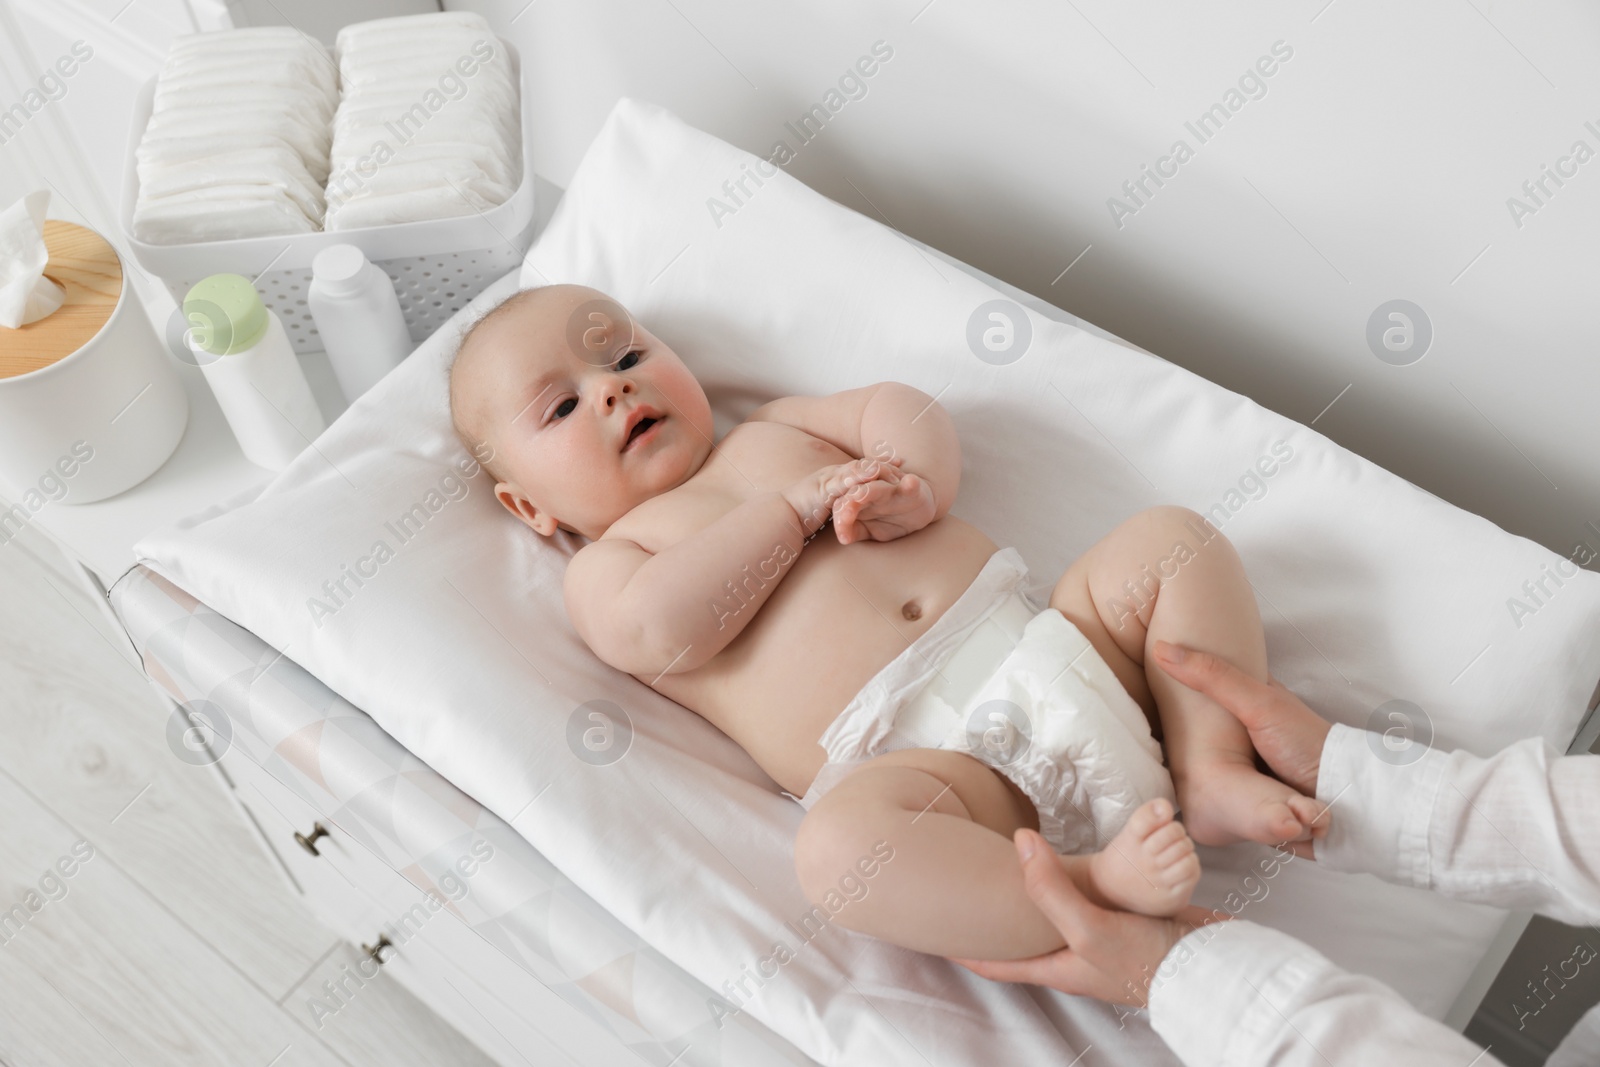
column 475, row 991
column 338, row 899
column 491, row 998
column 469, row 982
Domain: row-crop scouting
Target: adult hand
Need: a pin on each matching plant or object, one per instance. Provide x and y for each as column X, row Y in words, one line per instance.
column 1287, row 734
column 1110, row 955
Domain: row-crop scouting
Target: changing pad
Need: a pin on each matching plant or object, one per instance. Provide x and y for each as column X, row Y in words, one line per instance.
column 453, row 637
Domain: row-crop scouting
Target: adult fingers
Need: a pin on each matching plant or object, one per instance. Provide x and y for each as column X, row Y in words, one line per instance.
column 1194, row 915
column 1064, row 970
column 1052, row 890
column 1216, row 678
column 1035, row 970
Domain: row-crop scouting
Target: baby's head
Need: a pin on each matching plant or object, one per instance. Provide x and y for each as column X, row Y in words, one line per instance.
column 545, row 390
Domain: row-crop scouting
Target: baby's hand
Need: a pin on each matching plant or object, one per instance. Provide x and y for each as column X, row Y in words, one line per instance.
column 813, row 496
column 884, row 509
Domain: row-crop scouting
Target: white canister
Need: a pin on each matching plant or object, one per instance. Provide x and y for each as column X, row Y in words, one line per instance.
column 250, row 365
column 91, row 403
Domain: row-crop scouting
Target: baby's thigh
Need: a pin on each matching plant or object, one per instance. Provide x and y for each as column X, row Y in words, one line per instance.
column 1093, row 597
column 885, row 795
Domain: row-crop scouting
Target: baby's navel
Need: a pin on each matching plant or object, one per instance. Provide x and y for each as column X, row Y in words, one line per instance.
column 911, row 610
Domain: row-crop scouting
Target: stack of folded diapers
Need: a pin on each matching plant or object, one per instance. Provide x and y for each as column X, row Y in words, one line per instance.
column 237, row 144
column 261, row 132
column 427, row 125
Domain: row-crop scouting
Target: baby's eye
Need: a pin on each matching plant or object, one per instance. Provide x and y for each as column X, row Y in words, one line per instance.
column 627, row 361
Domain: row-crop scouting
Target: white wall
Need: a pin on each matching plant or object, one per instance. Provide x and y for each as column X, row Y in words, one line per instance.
column 1377, row 166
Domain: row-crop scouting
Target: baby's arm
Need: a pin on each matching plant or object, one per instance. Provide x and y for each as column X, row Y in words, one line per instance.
column 671, row 611
column 882, row 421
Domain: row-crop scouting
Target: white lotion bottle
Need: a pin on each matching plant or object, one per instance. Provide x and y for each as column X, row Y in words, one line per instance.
column 248, row 361
column 358, row 316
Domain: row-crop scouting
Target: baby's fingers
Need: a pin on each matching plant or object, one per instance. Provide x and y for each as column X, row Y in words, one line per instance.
column 847, row 508
column 883, row 470
column 896, row 499
column 868, row 469
column 849, row 475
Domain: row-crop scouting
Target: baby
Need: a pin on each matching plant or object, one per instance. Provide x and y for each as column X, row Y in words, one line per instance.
column 891, row 674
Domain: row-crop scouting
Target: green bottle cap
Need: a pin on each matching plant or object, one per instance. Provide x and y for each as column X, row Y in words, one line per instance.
column 225, row 314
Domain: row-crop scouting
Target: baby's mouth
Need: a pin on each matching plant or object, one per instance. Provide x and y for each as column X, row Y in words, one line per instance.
column 639, row 428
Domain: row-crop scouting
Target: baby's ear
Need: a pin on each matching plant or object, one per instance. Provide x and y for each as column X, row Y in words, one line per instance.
column 522, row 507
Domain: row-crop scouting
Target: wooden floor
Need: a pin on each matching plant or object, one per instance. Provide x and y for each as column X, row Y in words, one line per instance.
column 171, row 939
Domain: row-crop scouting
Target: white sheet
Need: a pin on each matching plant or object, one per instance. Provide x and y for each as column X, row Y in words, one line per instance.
column 1370, row 589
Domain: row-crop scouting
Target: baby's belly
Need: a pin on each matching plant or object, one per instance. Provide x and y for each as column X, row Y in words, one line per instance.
column 841, row 614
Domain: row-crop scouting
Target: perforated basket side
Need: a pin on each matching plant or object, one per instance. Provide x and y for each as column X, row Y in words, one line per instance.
column 431, row 288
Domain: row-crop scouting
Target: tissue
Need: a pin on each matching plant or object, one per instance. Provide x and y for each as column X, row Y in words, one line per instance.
column 26, row 295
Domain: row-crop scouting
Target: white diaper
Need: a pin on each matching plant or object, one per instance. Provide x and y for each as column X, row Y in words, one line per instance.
column 1022, row 690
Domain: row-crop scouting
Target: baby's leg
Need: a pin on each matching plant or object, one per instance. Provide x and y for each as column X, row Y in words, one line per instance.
column 915, row 847
column 1168, row 574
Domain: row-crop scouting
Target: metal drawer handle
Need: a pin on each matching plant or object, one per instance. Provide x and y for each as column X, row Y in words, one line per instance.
column 318, row 832
column 376, row 951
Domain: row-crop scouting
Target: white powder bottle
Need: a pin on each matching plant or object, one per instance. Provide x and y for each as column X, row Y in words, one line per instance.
column 358, row 316
column 250, row 365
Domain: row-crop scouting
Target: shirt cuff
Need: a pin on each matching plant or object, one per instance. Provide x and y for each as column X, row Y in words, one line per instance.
column 1213, row 997
column 1380, row 799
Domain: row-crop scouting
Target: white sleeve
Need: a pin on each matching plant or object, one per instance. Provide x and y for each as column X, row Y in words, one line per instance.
column 1520, row 829
column 1239, row 995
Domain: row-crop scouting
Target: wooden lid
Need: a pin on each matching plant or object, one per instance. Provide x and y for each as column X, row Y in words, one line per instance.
column 86, row 266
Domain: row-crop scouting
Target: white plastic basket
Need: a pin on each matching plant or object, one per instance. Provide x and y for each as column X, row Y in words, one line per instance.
column 437, row 266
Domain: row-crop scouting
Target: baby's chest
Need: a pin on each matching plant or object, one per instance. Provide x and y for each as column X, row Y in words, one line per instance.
column 760, row 457
column 752, row 459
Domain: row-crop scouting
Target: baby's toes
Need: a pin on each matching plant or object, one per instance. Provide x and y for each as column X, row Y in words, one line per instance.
column 1177, row 862
column 1173, row 851
column 1163, row 838
column 1151, row 816
column 1311, row 813
column 1283, row 822
column 1183, row 875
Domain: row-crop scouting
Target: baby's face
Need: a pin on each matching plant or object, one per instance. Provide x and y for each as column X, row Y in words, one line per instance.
column 560, row 387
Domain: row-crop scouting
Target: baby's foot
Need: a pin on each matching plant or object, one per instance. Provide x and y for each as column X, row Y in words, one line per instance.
column 1227, row 802
column 1150, row 866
